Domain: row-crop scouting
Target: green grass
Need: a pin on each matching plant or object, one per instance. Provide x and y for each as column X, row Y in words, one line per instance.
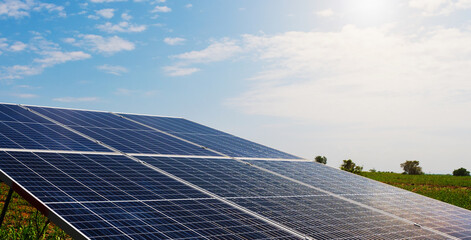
column 23, row 221
column 447, row 188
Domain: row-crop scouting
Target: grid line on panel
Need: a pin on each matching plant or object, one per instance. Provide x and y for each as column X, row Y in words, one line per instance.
column 168, row 134
column 119, row 134
column 424, row 211
column 226, row 179
column 216, row 141
column 354, row 202
column 276, row 224
column 124, row 234
column 105, row 208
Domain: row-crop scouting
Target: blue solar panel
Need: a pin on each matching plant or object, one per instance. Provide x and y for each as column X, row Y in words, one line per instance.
column 422, row 210
column 87, row 118
column 114, row 197
column 138, row 141
column 121, row 134
column 15, row 113
column 108, row 195
column 21, row 129
column 211, row 138
column 309, row 211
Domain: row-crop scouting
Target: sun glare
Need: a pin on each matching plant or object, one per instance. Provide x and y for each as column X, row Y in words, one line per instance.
column 370, row 10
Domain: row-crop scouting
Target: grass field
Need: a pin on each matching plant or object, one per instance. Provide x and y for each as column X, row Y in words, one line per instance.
column 22, row 221
column 447, row 188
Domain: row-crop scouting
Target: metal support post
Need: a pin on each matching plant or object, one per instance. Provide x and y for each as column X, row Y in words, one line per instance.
column 5, row 206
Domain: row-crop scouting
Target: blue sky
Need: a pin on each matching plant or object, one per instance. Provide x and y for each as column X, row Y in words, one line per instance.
column 379, row 82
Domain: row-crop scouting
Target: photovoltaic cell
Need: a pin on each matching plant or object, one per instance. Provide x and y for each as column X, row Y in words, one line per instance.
column 121, row 134
column 21, row 129
column 211, row 138
column 110, row 196
column 307, row 210
column 416, row 208
column 114, row 197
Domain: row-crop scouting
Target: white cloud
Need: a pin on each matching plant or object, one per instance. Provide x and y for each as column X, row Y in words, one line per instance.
column 113, row 69
column 18, row 46
column 174, row 41
column 126, row 16
column 178, row 71
column 105, row 13
column 49, row 55
column 19, row 9
column 106, row 1
column 107, row 45
column 439, row 7
column 10, row 46
column 189, row 5
column 163, row 9
column 325, row 13
column 25, row 95
column 76, row 99
column 57, row 57
column 19, row 71
column 121, row 27
column 217, row 51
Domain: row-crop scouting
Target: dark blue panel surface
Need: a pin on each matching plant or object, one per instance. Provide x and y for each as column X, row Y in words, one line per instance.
column 44, row 136
column 15, row 113
column 114, row 197
column 425, row 211
column 327, row 178
column 309, row 211
column 137, row 141
column 87, row 118
column 229, row 178
column 234, row 146
column 174, row 125
column 122, row 134
column 211, row 138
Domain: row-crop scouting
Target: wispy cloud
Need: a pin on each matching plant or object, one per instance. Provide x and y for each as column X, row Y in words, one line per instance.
column 51, row 58
column 129, row 92
column 189, row 5
column 76, row 99
column 121, row 27
column 107, row 45
column 113, row 69
column 174, row 41
column 217, row 51
column 105, row 13
column 178, row 71
column 162, row 9
column 20, row 9
column 106, row 1
column 24, row 95
column 325, row 13
column 48, row 54
column 439, row 7
column 12, row 46
column 126, row 16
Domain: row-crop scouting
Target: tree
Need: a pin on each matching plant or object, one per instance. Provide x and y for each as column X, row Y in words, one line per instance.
column 411, row 167
column 321, row 159
column 350, row 166
column 461, row 172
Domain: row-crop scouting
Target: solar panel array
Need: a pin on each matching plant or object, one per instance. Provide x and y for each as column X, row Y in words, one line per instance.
column 101, row 175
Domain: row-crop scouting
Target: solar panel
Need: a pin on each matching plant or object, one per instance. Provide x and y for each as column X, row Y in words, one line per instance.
column 121, row 134
column 315, row 213
column 211, row 138
column 112, row 196
column 21, row 129
column 101, row 175
column 416, row 208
